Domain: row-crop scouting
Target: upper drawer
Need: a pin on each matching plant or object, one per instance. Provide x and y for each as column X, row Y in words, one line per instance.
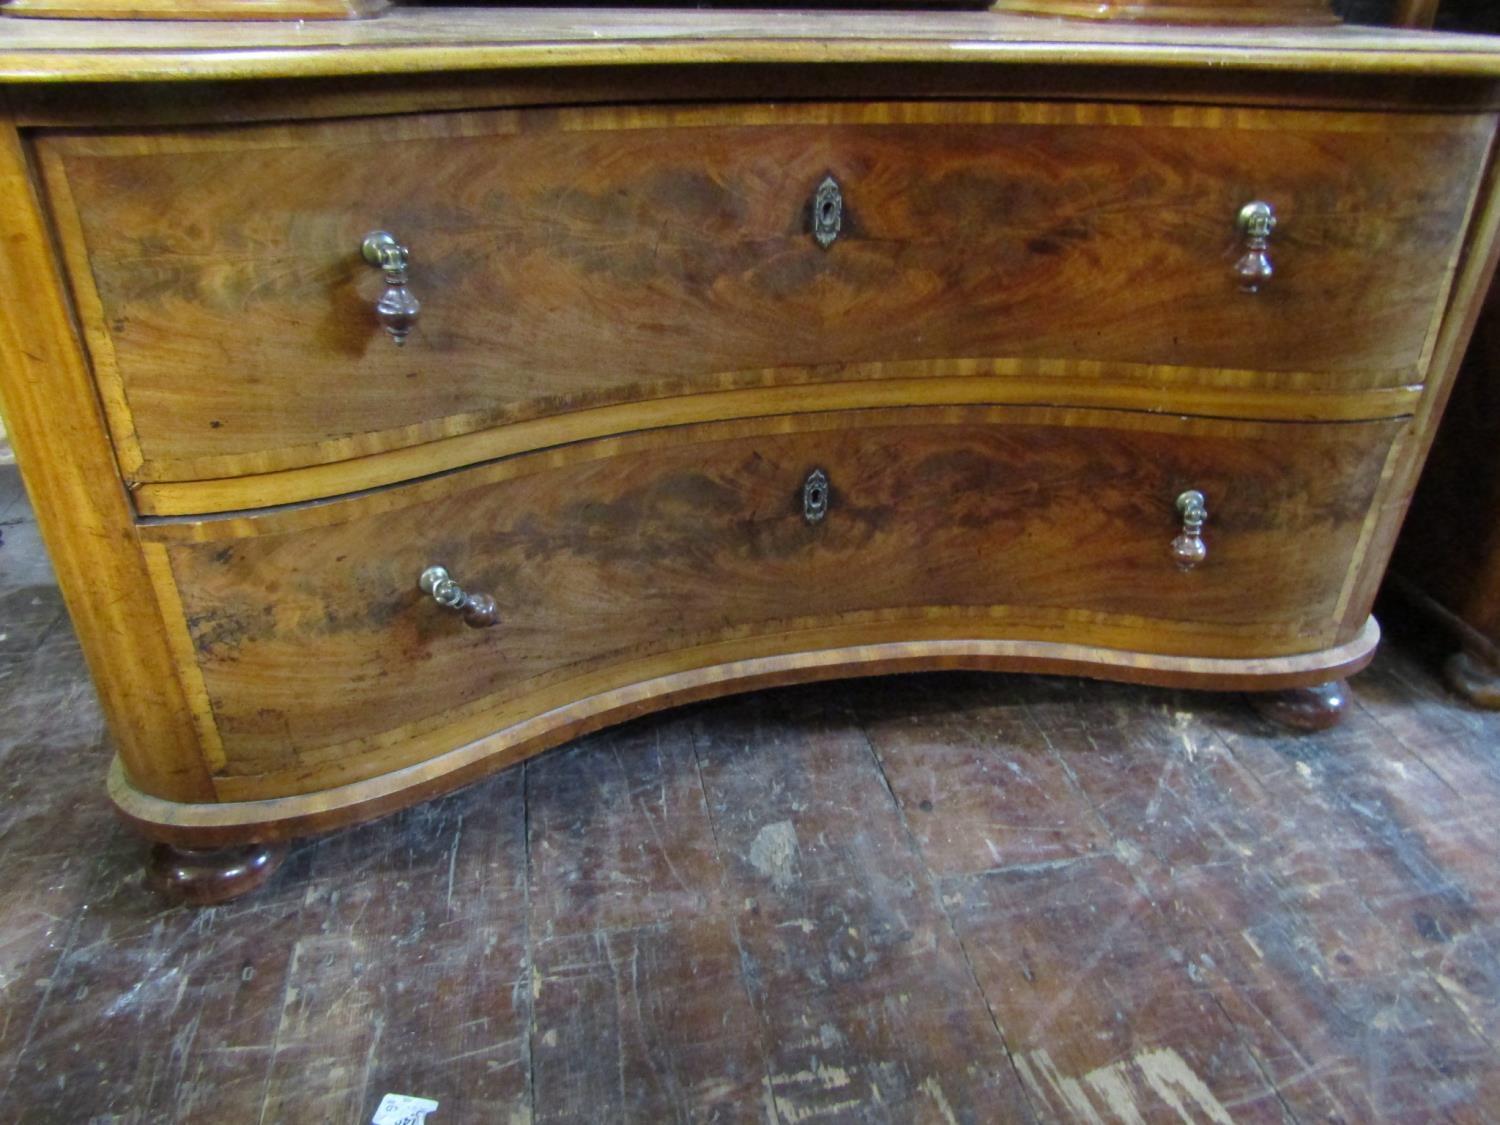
column 569, row 259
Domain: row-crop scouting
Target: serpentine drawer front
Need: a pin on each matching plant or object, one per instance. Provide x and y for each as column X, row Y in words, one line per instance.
column 576, row 571
column 533, row 263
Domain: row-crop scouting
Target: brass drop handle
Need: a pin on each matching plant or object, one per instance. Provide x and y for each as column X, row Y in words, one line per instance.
column 1188, row 549
column 478, row 609
column 1256, row 222
column 397, row 309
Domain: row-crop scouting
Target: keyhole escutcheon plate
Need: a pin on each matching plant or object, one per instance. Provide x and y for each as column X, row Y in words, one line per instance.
column 827, row 212
column 815, row 496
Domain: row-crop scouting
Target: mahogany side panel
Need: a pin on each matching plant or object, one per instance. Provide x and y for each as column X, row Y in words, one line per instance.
column 575, row 258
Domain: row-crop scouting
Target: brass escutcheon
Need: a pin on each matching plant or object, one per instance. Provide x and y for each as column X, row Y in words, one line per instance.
column 815, row 496
column 827, row 212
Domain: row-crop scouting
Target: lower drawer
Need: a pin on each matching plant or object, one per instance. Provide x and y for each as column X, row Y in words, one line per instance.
column 316, row 657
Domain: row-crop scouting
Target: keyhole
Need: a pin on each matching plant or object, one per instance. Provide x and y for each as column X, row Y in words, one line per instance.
column 815, row 495
column 828, row 210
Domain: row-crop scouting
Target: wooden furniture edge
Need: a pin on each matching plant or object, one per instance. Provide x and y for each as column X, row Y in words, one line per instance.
column 202, row 825
column 195, row 9
column 48, row 396
column 267, row 518
column 230, row 50
column 391, row 467
column 1481, row 255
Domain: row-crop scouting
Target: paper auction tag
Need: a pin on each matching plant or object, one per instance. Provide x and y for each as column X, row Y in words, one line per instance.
column 402, row 1109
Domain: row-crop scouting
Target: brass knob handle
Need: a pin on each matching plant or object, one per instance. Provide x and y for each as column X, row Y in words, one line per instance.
column 397, row 308
column 1188, row 549
column 1256, row 222
column 478, row 609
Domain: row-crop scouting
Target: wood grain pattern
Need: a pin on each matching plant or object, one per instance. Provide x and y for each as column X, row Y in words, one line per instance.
column 577, row 258
column 1481, row 257
column 691, row 546
column 195, row 9
column 245, row 816
column 417, row 42
column 939, row 383
column 48, row 397
column 1037, row 555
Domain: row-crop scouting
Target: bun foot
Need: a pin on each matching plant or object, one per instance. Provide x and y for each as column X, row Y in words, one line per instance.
column 1304, row 709
column 1474, row 678
column 202, row 878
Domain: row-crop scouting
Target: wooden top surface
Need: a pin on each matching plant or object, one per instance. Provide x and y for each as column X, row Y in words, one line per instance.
column 407, row 40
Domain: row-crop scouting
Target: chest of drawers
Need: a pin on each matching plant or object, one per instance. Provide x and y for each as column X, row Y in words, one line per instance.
column 436, row 391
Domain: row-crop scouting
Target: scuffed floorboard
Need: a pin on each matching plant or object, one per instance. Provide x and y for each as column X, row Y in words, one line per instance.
column 934, row 899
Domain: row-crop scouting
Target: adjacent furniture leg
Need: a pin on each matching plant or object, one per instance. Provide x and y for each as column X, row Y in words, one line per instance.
column 1474, row 677
column 1304, row 709
column 205, row 877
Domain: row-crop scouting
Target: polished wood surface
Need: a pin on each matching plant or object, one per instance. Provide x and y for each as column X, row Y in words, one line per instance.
column 569, row 259
column 323, row 662
column 414, row 42
column 1473, row 282
column 1262, row 13
column 202, row 878
column 937, row 384
column 639, row 521
column 48, row 397
column 1307, row 708
column 235, row 820
column 194, row 9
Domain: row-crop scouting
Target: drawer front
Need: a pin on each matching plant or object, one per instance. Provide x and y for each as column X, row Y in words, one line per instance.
column 614, row 560
column 570, row 259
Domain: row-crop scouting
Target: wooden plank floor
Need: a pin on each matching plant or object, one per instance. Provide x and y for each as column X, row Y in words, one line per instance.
column 928, row 898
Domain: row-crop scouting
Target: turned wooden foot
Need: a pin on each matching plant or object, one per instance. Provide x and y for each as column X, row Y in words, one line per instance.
column 205, row 877
column 1304, row 709
column 1475, row 678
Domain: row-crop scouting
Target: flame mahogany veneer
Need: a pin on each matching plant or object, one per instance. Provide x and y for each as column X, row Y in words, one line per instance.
column 747, row 354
